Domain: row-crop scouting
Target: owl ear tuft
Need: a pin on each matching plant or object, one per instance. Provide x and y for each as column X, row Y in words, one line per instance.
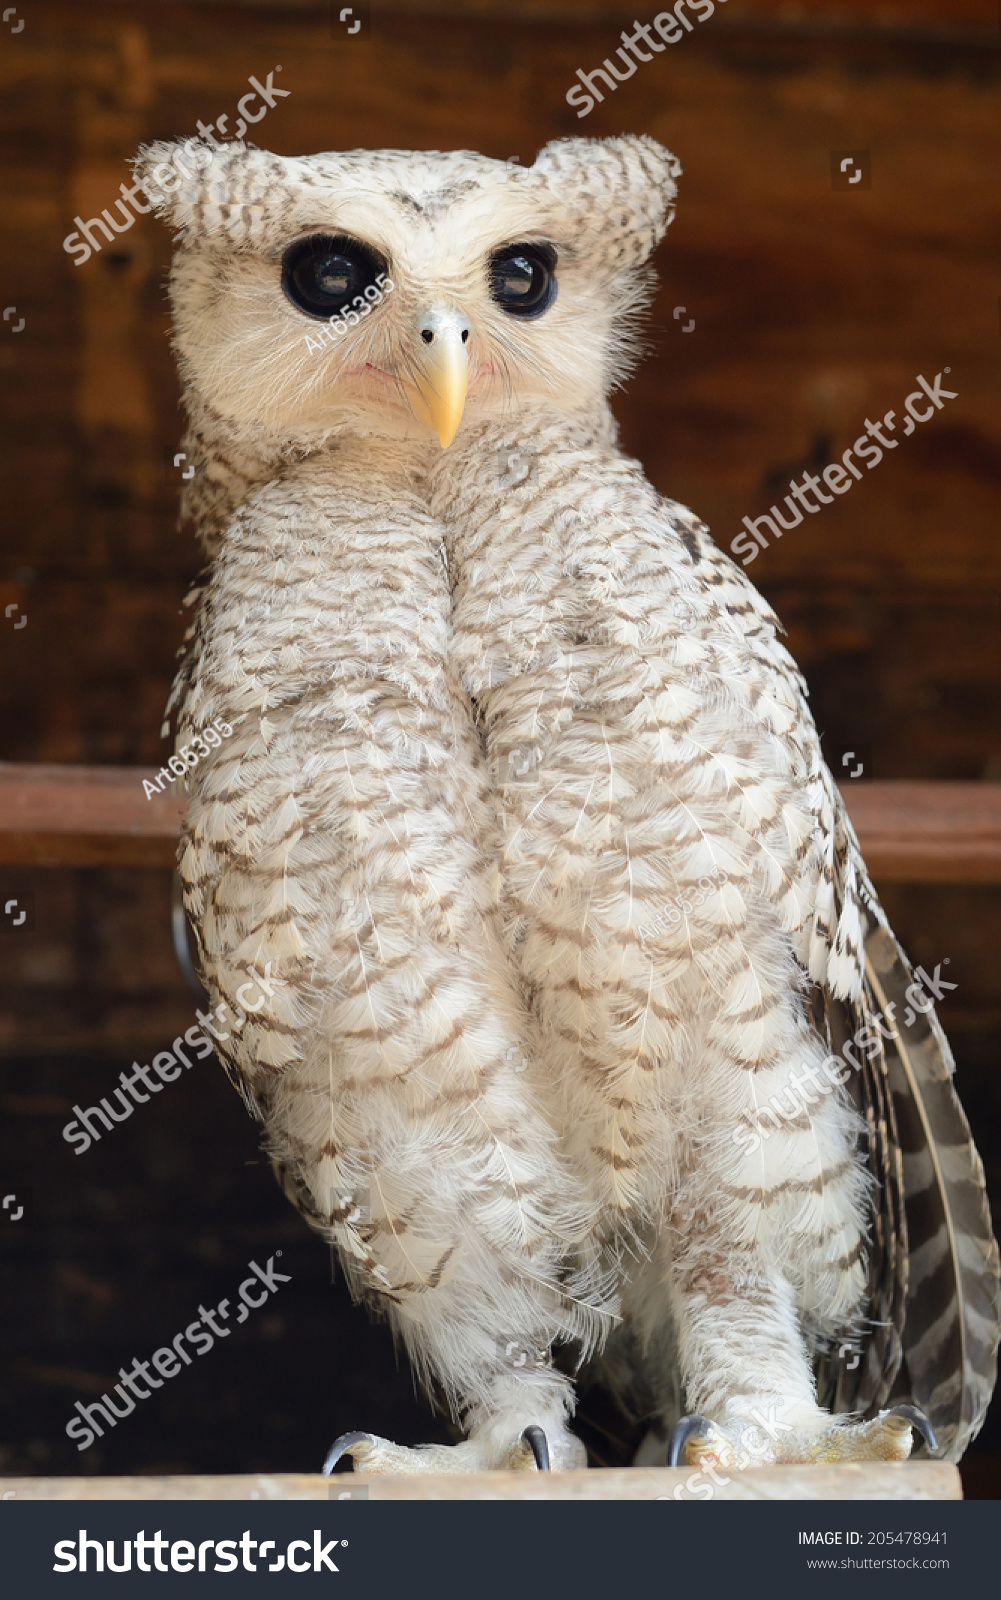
column 197, row 186
column 172, row 176
column 622, row 191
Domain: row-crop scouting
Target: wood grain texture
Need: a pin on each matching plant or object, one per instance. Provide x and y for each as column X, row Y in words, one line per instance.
column 917, row 1480
column 85, row 816
column 813, row 310
column 929, row 832
column 872, row 13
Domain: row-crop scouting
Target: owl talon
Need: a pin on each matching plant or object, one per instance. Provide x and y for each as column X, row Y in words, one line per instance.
column 915, row 1418
column 529, row 1451
column 535, row 1438
column 761, row 1440
column 344, row 1446
column 690, row 1427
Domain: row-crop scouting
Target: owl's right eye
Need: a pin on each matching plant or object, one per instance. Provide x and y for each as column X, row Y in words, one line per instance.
column 321, row 275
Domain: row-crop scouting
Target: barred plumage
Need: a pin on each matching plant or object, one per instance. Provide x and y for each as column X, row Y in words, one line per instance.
column 524, row 806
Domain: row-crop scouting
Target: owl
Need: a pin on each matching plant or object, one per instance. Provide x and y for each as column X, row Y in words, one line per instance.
column 586, row 1042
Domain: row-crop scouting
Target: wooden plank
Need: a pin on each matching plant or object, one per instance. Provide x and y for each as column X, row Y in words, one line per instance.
column 54, row 815
column 913, row 1480
column 929, row 832
column 872, row 14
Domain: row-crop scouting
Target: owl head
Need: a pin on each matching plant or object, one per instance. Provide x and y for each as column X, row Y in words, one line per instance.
column 389, row 292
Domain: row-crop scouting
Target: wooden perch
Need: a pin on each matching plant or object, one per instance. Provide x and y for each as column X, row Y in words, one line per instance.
column 929, row 832
column 912, row 1480
column 58, row 816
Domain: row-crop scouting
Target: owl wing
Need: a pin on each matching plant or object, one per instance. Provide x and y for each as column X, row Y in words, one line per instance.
column 861, row 1376
column 934, row 1302
column 931, row 1323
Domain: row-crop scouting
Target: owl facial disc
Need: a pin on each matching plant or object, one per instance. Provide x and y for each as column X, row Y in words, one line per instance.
column 440, row 371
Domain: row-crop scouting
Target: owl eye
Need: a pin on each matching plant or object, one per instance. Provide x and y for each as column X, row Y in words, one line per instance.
column 325, row 272
column 522, row 278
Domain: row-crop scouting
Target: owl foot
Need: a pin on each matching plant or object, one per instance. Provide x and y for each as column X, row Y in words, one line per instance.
column 529, row 1453
column 535, row 1438
column 756, row 1440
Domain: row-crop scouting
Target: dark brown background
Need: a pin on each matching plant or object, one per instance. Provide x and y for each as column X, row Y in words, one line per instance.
column 813, row 310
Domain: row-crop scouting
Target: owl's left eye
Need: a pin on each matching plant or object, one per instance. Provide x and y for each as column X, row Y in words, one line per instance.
column 321, row 275
column 522, row 278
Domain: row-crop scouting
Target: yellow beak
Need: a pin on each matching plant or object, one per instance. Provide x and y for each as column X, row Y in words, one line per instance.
column 438, row 388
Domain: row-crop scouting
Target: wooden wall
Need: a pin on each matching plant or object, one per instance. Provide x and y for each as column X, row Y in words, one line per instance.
column 813, row 310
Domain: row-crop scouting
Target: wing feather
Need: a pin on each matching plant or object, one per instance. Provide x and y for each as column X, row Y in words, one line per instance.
column 950, row 1332
column 930, row 1331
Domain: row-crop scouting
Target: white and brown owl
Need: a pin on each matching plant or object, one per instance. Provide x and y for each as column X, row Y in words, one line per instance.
column 587, row 1029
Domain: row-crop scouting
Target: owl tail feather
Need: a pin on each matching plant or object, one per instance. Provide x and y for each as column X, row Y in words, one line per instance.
column 950, row 1331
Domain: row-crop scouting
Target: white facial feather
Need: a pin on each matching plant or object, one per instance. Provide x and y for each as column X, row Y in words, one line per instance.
column 436, row 218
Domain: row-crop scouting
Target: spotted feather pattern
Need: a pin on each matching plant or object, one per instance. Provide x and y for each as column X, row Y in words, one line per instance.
column 525, row 817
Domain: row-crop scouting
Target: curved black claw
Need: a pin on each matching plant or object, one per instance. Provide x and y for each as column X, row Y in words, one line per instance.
column 917, row 1419
column 536, row 1439
column 340, row 1447
column 691, row 1427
